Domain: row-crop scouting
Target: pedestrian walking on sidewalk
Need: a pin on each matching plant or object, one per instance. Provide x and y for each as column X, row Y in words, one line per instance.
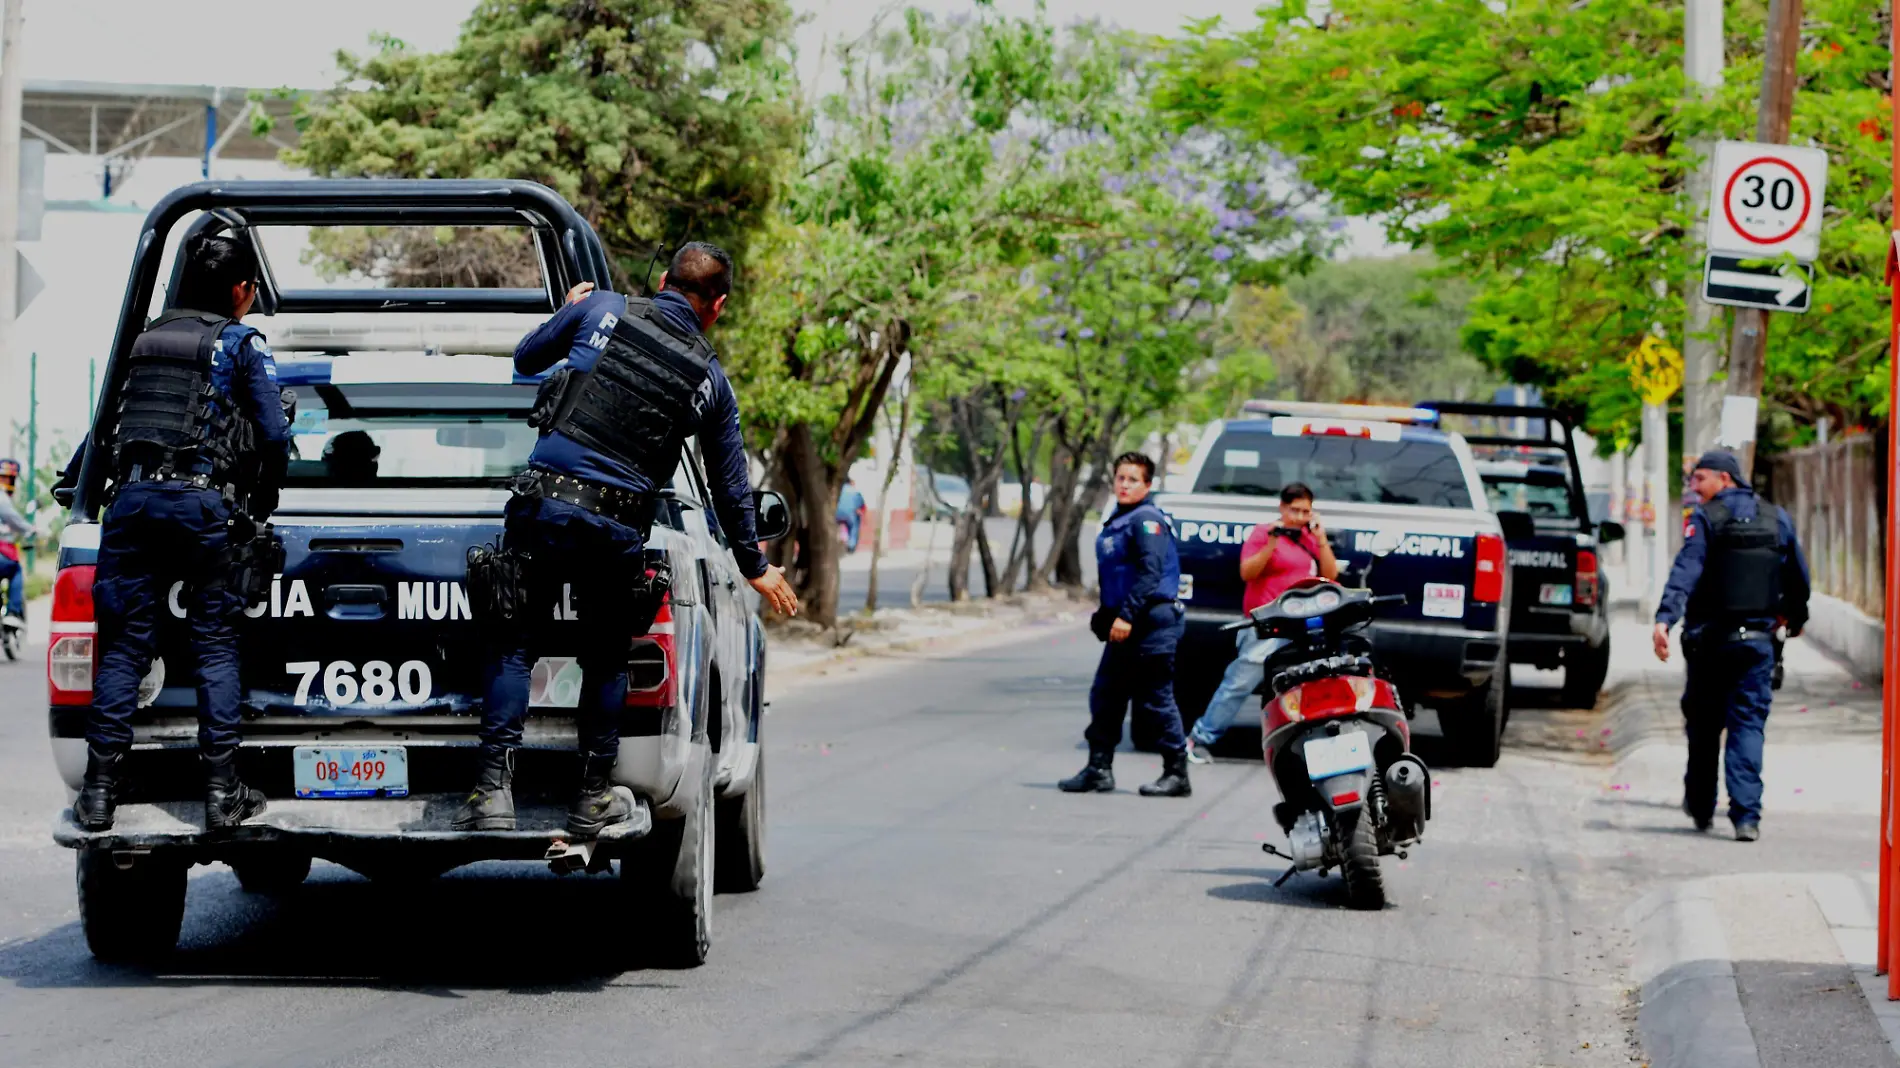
column 1739, row 577
column 1141, row 620
column 1273, row 558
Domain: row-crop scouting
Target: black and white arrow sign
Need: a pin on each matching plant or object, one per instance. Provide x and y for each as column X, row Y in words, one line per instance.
column 1771, row 287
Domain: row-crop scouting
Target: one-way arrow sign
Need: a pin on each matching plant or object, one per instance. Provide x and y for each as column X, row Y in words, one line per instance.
column 1771, row 287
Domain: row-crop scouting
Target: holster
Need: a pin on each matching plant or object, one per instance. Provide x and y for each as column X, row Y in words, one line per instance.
column 649, row 590
column 257, row 557
column 498, row 582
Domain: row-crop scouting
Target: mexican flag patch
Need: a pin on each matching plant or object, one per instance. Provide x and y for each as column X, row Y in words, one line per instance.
column 1149, row 526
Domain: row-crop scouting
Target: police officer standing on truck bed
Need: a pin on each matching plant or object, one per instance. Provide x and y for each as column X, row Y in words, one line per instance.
column 200, row 446
column 1739, row 576
column 640, row 379
column 1141, row 620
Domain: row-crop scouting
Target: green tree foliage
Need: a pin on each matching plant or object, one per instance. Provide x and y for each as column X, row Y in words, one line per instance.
column 1394, row 324
column 1540, row 148
column 661, row 122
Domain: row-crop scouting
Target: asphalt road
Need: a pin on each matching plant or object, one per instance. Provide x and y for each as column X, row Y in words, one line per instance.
column 931, row 900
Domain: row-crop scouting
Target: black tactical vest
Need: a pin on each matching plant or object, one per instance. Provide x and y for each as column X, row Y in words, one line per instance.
column 1741, row 578
column 639, row 404
column 172, row 422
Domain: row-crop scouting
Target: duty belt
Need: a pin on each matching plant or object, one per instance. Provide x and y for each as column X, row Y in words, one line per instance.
column 138, row 473
column 620, row 505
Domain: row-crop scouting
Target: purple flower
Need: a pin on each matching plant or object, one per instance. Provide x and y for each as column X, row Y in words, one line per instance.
column 1336, row 225
column 1019, row 395
column 1252, row 188
column 1221, row 253
column 1152, row 243
column 1247, row 61
column 1085, row 333
column 1114, row 183
column 1060, row 258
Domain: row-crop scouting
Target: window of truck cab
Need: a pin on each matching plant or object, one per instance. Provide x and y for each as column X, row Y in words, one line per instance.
column 1422, row 471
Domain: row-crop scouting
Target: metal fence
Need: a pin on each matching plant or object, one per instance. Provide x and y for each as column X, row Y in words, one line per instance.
column 1832, row 492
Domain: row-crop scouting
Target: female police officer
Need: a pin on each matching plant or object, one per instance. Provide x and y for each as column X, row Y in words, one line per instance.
column 200, row 430
column 1141, row 619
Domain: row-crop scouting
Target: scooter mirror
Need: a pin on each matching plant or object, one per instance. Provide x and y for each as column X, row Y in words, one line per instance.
column 1386, row 542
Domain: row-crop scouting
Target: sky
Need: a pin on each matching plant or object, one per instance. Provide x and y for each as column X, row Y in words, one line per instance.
column 83, row 257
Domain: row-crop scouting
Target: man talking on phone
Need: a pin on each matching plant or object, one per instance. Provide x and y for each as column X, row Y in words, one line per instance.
column 1273, row 558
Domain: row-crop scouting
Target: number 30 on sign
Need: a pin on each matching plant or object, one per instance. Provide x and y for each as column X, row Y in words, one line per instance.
column 1766, row 200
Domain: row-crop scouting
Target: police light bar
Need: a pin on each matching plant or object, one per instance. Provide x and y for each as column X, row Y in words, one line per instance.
column 1287, row 426
column 1382, row 413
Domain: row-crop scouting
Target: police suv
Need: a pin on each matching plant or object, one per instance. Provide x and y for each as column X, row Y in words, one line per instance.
column 1372, row 470
column 363, row 665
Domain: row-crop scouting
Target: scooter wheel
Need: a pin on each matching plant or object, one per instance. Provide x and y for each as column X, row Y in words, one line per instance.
column 1365, row 886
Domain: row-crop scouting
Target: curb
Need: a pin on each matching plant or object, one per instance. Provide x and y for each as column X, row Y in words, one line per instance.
column 1053, row 610
column 1691, row 1012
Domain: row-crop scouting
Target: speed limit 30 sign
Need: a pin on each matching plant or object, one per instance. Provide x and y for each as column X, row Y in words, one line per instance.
column 1766, row 200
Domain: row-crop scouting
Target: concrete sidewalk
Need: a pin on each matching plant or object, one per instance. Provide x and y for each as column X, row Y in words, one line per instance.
column 1756, row 955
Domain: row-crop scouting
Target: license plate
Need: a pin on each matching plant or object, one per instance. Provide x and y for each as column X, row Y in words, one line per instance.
column 330, row 771
column 1444, row 600
column 1557, row 593
column 1326, row 757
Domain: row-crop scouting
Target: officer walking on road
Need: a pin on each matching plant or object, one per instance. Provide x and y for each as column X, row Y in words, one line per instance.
column 640, row 379
column 1141, row 620
column 1739, row 576
column 200, row 447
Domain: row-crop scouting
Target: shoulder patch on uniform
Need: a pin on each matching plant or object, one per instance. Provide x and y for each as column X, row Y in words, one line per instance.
column 1688, row 528
column 1149, row 526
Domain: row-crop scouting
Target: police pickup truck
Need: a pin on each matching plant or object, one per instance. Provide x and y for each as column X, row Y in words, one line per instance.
column 1527, row 459
column 1372, row 470
column 363, row 666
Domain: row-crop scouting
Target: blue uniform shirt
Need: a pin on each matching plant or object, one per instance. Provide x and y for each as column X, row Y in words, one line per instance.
column 1741, row 504
column 577, row 333
column 1136, row 560
column 243, row 369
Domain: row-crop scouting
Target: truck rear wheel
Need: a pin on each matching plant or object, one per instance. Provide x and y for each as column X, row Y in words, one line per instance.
column 130, row 914
column 1584, row 675
column 741, row 835
column 669, row 875
column 1474, row 726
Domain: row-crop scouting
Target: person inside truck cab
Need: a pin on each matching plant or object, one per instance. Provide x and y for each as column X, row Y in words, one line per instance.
column 640, row 378
column 1273, row 558
column 349, row 459
column 199, row 445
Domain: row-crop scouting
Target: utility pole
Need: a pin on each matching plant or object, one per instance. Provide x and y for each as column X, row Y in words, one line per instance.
column 12, row 29
column 1702, row 62
column 1748, row 345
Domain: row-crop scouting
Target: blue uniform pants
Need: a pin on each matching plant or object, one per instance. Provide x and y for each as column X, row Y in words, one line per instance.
column 15, row 578
column 1728, row 691
column 1138, row 671
column 153, row 536
column 582, row 560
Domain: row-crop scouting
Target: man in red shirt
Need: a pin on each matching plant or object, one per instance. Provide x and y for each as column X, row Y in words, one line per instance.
column 1273, row 558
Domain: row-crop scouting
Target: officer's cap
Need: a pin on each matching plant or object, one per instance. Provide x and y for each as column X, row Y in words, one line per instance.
column 1723, row 462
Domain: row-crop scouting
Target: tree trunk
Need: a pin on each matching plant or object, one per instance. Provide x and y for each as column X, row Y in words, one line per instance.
column 1022, row 546
column 884, row 497
column 968, row 521
column 990, row 578
column 813, row 487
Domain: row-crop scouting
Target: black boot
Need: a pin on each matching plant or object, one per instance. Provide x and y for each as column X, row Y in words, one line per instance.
column 598, row 806
column 1173, row 781
column 1097, row 777
column 228, row 802
column 99, row 794
column 491, row 805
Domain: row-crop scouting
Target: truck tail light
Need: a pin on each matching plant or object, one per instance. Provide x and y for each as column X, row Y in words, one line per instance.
column 1487, row 585
column 72, row 647
column 1588, row 581
column 653, row 663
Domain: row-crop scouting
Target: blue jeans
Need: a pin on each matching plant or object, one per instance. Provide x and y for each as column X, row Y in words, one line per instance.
column 1728, row 691
column 1237, row 687
column 156, row 534
column 597, row 559
column 15, row 578
column 851, row 524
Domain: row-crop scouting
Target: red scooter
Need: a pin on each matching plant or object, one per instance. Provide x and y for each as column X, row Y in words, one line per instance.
column 1336, row 740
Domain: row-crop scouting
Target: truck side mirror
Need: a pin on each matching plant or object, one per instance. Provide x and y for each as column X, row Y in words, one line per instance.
column 775, row 516
column 1517, row 526
column 1609, row 531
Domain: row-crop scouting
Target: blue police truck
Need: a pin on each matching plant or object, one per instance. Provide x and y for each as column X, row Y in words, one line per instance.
column 1372, row 469
column 363, row 665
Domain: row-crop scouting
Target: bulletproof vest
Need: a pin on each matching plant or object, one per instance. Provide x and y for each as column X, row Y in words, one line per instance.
column 1741, row 578
column 172, row 420
column 1116, row 558
column 639, row 403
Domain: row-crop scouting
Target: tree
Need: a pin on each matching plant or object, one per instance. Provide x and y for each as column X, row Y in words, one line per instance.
column 1540, row 148
column 1394, row 324
column 660, row 122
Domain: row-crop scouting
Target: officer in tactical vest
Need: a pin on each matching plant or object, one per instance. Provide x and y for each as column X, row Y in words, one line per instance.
column 640, row 378
column 1739, row 577
column 1141, row 620
column 199, row 445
